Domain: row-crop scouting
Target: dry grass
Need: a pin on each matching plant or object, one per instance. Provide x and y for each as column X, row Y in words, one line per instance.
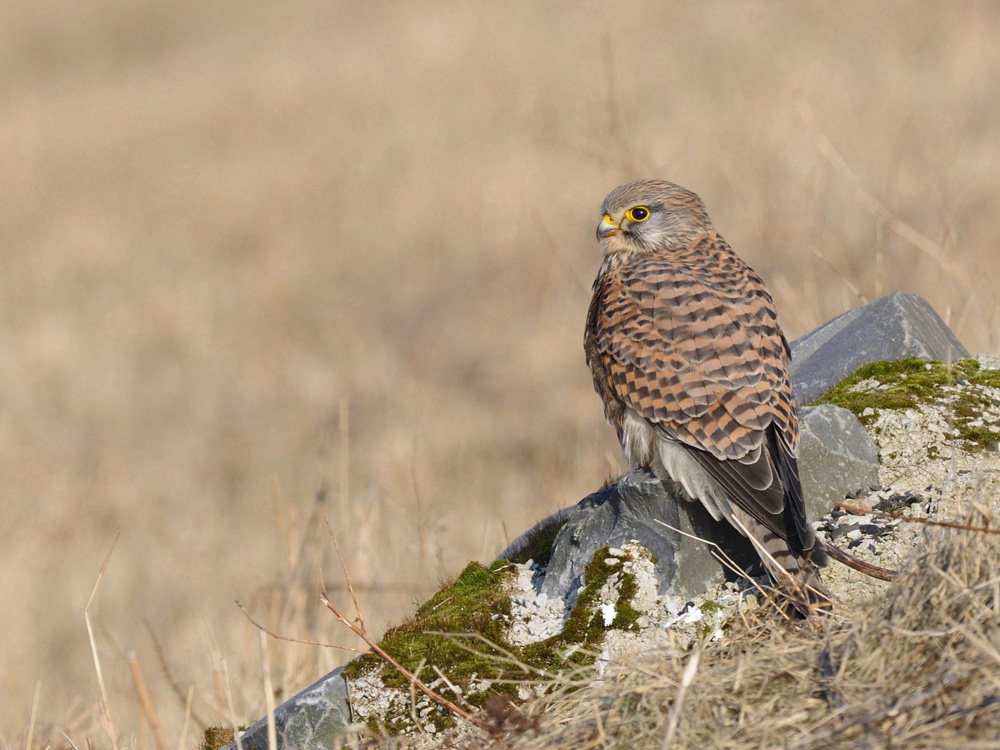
column 251, row 250
column 916, row 669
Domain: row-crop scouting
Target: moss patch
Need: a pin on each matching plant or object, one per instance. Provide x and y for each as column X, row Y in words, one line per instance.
column 477, row 603
column 474, row 603
column 539, row 546
column 215, row 737
column 908, row 383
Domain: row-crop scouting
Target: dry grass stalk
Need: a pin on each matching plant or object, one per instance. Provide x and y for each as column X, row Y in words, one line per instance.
column 34, row 715
column 183, row 698
column 103, row 702
column 675, row 711
column 148, row 711
column 265, row 658
column 188, row 715
column 229, row 704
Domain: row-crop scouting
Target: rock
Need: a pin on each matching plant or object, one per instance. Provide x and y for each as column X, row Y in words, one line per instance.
column 633, row 509
column 989, row 361
column 893, row 327
column 315, row 718
column 836, row 457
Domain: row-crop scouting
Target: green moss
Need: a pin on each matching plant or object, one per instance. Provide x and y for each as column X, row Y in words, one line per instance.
column 539, row 546
column 709, row 622
column 476, row 603
column 709, row 607
column 584, row 626
column 908, row 383
column 627, row 616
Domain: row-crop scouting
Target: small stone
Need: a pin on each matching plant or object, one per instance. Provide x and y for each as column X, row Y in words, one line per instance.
column 608, row 611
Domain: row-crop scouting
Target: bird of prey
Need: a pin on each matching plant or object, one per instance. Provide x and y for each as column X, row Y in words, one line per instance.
column 684, row 346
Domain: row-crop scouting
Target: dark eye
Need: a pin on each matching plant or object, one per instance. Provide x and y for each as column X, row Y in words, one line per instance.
column 639, row 213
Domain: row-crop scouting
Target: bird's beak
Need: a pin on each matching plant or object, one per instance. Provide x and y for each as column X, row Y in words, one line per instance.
column 607, row 227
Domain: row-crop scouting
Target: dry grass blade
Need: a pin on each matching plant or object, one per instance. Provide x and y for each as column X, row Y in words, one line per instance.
column 148, row 711
column 188, row 715
column 720, row 553
column 104, row 708
column 184, row 699
column 34, row 715
column 675, row 712
column 229, row 704
column 265, row 658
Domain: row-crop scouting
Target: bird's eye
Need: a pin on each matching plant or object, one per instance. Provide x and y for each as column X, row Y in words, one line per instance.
column 639, row 213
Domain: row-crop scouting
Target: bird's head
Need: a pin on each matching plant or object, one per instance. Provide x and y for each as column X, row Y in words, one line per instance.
column 650, row 215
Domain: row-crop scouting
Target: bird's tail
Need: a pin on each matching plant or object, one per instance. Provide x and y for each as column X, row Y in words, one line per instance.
column 793, row 572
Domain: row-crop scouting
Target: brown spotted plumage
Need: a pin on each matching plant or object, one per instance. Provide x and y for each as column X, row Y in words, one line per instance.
column 686, row 352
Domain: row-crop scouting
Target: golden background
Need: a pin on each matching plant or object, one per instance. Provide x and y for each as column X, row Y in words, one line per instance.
column 262, row 263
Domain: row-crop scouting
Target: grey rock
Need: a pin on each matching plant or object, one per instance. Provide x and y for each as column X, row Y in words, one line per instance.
column 893, row 327
column 315, row 719
column 989, row 361
column 836, row 456
column 632, row 509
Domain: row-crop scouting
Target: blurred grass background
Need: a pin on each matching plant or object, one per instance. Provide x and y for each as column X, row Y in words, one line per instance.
column 266, row 262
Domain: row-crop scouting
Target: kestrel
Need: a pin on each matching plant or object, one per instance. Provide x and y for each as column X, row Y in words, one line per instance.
column 686, row 352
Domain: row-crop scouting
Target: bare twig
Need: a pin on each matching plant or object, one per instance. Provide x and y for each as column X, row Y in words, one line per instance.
column 858, row 510
column 828, row 676
column 296, row 640
column 846, row 558
column 347, row 576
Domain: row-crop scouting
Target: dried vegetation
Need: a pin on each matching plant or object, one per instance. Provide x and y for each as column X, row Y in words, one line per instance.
column 918, row 667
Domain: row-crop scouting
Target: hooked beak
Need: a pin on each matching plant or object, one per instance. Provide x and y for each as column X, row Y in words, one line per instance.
column 607, row 227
